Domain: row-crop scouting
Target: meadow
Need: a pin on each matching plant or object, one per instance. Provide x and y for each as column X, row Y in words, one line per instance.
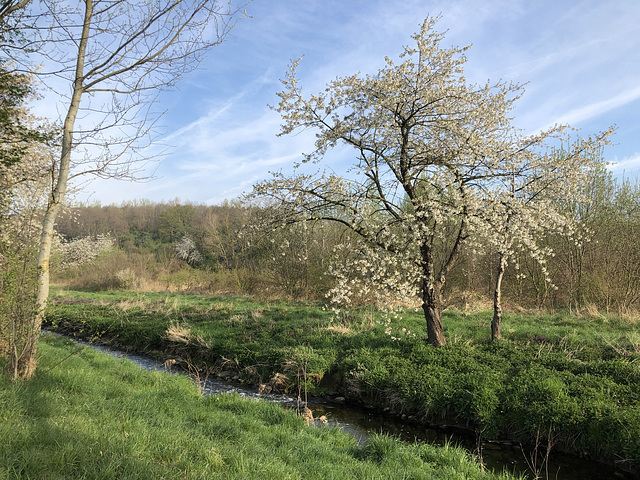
column 564, row 382
column 88, row 415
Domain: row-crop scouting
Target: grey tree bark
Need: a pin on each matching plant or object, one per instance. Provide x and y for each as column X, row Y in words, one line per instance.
column 496, row 322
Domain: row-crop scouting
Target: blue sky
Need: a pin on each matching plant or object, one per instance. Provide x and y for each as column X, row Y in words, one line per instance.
column 580, row 60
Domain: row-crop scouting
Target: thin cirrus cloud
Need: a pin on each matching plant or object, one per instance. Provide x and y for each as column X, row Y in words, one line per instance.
column 626, row 167
column 579, row 59
column 598, row 108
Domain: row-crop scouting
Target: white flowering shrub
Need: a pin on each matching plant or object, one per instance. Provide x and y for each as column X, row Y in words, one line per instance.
column 25, row 180
column 82, row 250
column 433, row 156
column 363, row 274
column 127, row 279
column 187, row 250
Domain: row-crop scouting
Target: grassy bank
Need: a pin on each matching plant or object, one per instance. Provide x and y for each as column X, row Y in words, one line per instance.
column 93, row 416
column 566, row 381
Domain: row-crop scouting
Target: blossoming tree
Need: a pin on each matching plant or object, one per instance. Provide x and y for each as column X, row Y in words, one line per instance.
column 529, row 205
column 430, row 148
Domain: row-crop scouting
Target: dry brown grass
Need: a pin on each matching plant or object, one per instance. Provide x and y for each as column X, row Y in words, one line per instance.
column 126, row 305
column 278, row 382
column 166, row 306
column 629, row 316
column 179, row 333
column 307, row 415
column 169, row 363
column 340, row 329
column 467, row 303
column 240, row 318
column 591, row 311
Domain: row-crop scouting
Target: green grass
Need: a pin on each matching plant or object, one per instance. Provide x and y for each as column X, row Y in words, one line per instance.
column 574, row 379
column 94, row 416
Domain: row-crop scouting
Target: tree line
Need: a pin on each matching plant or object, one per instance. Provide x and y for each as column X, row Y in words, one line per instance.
column 594, row 271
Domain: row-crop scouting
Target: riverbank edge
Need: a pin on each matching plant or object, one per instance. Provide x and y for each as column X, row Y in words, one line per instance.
column 86, row 414
column 340, row 392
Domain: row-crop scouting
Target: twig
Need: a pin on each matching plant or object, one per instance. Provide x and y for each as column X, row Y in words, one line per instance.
column 66, row 358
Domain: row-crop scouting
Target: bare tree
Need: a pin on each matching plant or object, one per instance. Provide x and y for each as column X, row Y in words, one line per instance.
column 113, row 57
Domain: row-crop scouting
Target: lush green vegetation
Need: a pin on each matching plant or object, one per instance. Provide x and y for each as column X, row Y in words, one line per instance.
column 568, row 382
column 93, row 416
column 573, row 381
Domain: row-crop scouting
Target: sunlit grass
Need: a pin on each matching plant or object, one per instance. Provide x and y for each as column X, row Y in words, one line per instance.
column 93, row 416
column 577, row 377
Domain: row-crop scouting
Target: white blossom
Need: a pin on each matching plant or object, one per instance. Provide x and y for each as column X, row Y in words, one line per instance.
column 187, row 250
column 82, row 250
column 436, row 161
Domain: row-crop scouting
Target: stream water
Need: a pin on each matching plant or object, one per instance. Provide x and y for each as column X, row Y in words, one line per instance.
column 361, row 422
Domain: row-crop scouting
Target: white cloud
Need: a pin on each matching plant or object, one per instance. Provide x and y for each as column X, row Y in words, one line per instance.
column 589, row 111
column 626, row 165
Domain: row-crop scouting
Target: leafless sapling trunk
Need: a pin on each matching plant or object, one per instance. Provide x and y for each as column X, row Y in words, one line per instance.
column 115, row 57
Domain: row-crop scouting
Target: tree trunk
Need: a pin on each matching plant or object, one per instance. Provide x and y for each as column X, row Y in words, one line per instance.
column 496, row 332
column 432, row 307
column 431, row 296
column 27, row 362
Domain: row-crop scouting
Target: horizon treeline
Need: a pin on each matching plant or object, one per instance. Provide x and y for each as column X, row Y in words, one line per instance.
column 195, row 248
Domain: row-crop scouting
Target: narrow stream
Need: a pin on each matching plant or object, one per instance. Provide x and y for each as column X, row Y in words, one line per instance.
column 361, row 422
